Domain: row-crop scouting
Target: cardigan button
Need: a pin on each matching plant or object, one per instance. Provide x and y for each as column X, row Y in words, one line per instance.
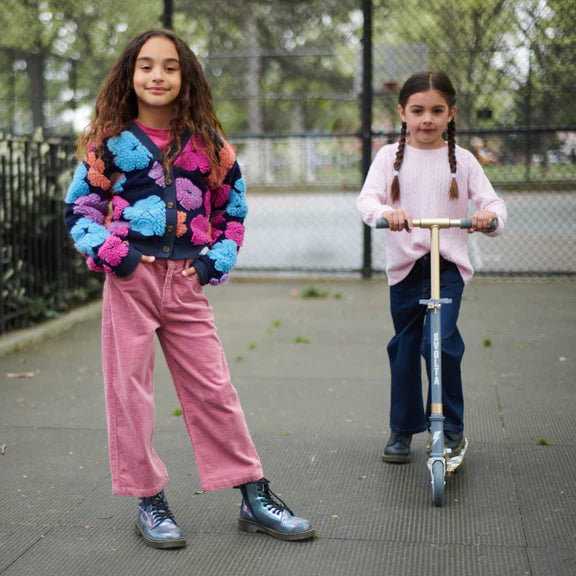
column 166, row 249
column 170, row 205
column 169, row 228
column 169, row 181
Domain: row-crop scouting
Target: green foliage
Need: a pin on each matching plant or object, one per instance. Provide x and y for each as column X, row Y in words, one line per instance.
column 61, row 50
column 293, row 66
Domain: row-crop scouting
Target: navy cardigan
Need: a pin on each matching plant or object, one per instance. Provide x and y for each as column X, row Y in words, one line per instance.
column 124, row 205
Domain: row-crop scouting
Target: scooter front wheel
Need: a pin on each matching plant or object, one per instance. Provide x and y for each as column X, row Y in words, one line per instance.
column 438, row 472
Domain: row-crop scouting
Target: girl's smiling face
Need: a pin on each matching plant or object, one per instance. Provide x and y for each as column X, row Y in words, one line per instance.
column 426, row 115
column 157, row 79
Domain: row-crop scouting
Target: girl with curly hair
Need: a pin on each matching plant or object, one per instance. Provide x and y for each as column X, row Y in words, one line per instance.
column 158, row 203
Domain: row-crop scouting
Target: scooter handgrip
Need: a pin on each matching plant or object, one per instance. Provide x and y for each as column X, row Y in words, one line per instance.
column 467, row 223
column 382, row 223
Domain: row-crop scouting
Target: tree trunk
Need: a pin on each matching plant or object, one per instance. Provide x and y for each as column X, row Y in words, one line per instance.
column 253, row 73
column 36, row 65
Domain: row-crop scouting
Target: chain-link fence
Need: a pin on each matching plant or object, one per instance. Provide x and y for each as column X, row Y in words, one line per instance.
column 303, row 216
column 292, row 88
column 294, row 66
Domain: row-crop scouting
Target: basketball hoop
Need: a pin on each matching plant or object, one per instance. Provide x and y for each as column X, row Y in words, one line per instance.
column 390, row 87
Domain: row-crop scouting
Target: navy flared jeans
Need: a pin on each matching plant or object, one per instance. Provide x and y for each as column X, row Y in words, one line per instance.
column 412, row 341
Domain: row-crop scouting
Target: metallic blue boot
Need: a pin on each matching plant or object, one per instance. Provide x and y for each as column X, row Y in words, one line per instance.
column 261, row 513
column 156, row 523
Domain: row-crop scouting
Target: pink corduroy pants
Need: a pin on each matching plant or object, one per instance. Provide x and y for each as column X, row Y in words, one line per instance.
column 157, row 299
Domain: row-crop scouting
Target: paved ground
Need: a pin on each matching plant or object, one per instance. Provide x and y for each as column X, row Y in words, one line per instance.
column 313, row 378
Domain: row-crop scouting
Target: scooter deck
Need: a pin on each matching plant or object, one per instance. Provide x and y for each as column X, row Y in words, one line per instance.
column 452, row 464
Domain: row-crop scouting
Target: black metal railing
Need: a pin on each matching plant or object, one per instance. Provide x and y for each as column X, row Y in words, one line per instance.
column 41, row 274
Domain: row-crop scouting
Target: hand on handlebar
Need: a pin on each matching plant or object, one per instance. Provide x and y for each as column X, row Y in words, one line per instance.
column 482, row 221
column 398, row 220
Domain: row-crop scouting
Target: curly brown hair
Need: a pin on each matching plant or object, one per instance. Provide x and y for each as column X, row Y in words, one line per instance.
column 117, row 106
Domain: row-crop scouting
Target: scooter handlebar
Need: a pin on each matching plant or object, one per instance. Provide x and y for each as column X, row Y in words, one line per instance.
column 462, row 223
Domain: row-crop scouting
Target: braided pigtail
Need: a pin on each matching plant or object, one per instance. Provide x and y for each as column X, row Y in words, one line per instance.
column 452, row 159
column 395, row 187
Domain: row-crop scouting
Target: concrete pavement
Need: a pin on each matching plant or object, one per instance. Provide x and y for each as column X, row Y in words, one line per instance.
column 312, row 374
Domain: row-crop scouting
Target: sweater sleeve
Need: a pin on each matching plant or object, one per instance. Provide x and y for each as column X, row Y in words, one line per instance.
column 483, row 195
column 88, row 207
column 228, row 211
column 373, row 199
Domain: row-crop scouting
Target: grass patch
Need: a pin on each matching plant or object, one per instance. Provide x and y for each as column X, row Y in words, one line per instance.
column 300, row 340
column 487, row 343
column 177, row 412
column 544, row 442
column 313, row 292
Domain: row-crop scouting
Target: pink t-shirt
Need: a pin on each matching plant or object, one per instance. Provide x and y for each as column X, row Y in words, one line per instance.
column 424, row 192
column 158, row 135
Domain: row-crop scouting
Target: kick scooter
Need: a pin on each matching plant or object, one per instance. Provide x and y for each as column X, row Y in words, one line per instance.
column 439, row 462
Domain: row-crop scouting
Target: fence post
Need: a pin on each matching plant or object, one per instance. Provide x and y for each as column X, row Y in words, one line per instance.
column 167, row 15
column 366, row 102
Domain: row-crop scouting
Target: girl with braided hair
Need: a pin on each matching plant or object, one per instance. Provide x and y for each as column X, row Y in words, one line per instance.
column 424, row 175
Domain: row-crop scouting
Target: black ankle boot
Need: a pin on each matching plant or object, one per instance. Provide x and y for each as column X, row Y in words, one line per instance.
column 398, row 448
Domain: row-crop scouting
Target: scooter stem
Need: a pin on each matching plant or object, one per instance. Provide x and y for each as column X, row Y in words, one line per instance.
column 435, row 262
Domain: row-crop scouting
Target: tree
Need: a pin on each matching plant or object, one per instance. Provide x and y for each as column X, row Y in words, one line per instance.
column 468, row 39
column 65, row 41
column 275, row 65
column 549, row 34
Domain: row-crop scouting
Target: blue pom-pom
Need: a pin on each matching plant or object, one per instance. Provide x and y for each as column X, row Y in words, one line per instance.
column 87, row 235
column 78, row 187
column 237, row 205
column 224, row 255
column 147, row 216
column 129, row 153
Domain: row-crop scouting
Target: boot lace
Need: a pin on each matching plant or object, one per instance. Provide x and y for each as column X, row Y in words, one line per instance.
column 157, row 507
column 271, row 501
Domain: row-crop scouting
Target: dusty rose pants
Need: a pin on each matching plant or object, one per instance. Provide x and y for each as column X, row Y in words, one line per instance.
column 157, row 299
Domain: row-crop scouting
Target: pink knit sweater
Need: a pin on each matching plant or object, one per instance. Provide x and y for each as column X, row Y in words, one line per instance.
column 424, row 187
